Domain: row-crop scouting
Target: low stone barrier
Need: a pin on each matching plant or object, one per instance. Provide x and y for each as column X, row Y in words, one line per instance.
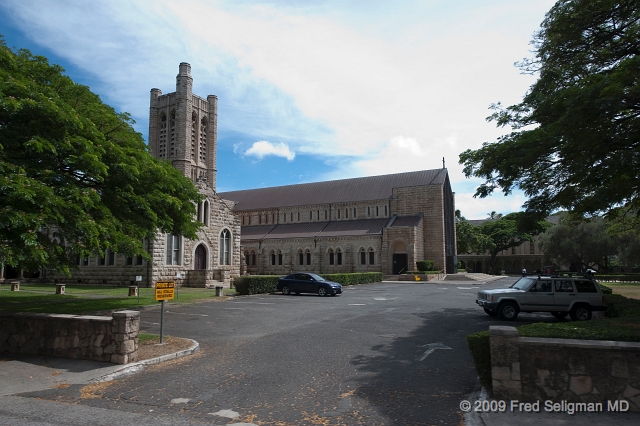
column 531, row 369
column 97, row 338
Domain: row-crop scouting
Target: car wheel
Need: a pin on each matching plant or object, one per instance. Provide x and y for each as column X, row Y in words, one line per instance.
column 560, row 315
column 490, row 312
column 508, row 311
column 286, row 290
column 322, row 292
column 581, row 313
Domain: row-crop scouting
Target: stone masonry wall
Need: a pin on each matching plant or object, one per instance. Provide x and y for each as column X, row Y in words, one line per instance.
column 319, row 249
column 427, row 199
column 96, row 338
column 571, row 370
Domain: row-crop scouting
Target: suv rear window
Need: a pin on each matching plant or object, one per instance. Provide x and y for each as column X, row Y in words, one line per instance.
column 586, row 287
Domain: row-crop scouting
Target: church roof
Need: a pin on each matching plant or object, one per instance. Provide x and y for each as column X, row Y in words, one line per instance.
column 333, row 191
column 406, row 221
column 314, row 229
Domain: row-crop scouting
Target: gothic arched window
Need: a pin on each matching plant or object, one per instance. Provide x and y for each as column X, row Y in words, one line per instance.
column 225, row 247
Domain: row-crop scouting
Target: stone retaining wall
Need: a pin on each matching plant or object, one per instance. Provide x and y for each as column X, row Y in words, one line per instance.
column 531, row 369
column 108, row 339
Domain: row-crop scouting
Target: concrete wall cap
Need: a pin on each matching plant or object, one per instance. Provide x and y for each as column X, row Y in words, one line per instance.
column 126, row 314
column 578, row 343
column 503, row 330
column 92, row 318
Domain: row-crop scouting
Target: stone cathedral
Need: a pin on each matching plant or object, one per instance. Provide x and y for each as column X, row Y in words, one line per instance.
column 182, row 130
column 379, row 223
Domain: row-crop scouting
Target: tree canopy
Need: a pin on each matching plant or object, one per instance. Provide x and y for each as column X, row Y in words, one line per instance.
column 503, row 232
column 469, row 239
column 575, row 143
column 581, row 243
column 75, row 177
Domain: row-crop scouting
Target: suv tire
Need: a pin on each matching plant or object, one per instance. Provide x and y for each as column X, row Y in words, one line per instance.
column 581, row 313
column 508, row 311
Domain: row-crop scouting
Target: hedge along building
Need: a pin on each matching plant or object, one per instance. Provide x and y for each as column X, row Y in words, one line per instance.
column 377, row 224
column 182, row 130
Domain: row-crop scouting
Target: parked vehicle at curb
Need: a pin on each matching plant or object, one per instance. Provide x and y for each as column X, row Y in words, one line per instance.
column 303, row 282
column 561, row 296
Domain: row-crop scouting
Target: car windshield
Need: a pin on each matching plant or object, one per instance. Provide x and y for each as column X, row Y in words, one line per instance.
column 317, row 277
column 524, row 283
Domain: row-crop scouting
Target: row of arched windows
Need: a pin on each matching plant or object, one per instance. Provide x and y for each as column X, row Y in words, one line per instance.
column 340, row 213
column 334, row 257
column 109, row 259
column 173, row 252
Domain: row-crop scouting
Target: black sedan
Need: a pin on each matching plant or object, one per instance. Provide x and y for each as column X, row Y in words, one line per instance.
column 303, row 282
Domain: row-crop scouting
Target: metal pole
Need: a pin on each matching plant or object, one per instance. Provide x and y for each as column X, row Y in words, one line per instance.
column 138, row 294
column 162, row 322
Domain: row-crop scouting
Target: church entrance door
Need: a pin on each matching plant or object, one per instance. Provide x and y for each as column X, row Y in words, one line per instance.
column 400, row 263
column 201, row 258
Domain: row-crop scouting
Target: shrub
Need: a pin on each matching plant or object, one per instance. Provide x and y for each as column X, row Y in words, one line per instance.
column 356, row 278
column 425, row 265
column 620, row 306
column 256, row 284
column 605, row 289
column 480, row 348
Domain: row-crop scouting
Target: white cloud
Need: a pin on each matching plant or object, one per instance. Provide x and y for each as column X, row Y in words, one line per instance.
column 479, row 208
column 378, row 87
column 261, row 149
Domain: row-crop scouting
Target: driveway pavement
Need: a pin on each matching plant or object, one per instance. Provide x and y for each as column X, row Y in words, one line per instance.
column 381, row 354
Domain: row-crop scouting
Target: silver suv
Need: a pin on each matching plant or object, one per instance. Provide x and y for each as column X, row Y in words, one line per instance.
column 561, row 296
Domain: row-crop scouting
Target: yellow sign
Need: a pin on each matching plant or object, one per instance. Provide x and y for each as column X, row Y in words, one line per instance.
column 164, row 290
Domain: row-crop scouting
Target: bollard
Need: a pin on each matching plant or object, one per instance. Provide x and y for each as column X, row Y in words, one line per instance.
column 219, row 291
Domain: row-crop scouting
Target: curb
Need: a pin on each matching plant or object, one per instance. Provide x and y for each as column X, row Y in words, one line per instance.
column 139, row 365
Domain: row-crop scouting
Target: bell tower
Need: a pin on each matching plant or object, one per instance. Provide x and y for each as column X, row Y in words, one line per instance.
column 183, row 129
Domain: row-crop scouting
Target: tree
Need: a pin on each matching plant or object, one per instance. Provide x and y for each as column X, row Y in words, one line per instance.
column 576, row 138
column 469, row 239
column 75, row 177
column 508, row 231
column 581, row 243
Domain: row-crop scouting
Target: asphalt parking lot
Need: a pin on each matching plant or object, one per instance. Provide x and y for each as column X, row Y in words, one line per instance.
column 379, row 354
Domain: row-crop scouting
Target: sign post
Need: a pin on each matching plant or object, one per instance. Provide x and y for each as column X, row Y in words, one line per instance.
column 164, row 291
column 178, row 276
column 138, row 281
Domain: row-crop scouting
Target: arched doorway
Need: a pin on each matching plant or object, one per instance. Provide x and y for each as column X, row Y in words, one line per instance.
column 400, row 260
column 200, row 257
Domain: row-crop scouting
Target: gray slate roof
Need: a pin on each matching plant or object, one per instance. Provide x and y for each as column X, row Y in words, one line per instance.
column 406, row 221
column 334, row 191
column 314, row 229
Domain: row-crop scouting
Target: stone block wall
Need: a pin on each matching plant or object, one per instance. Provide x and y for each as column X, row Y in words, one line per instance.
column 96, row 338
column 319, row 249
column 579, row 371
column 426, row 199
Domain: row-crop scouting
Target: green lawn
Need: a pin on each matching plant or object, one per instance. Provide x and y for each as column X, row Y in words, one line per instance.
column 631, row 290
column 80, row 299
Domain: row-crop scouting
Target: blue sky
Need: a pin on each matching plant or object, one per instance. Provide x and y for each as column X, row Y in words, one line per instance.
column 307, row 91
